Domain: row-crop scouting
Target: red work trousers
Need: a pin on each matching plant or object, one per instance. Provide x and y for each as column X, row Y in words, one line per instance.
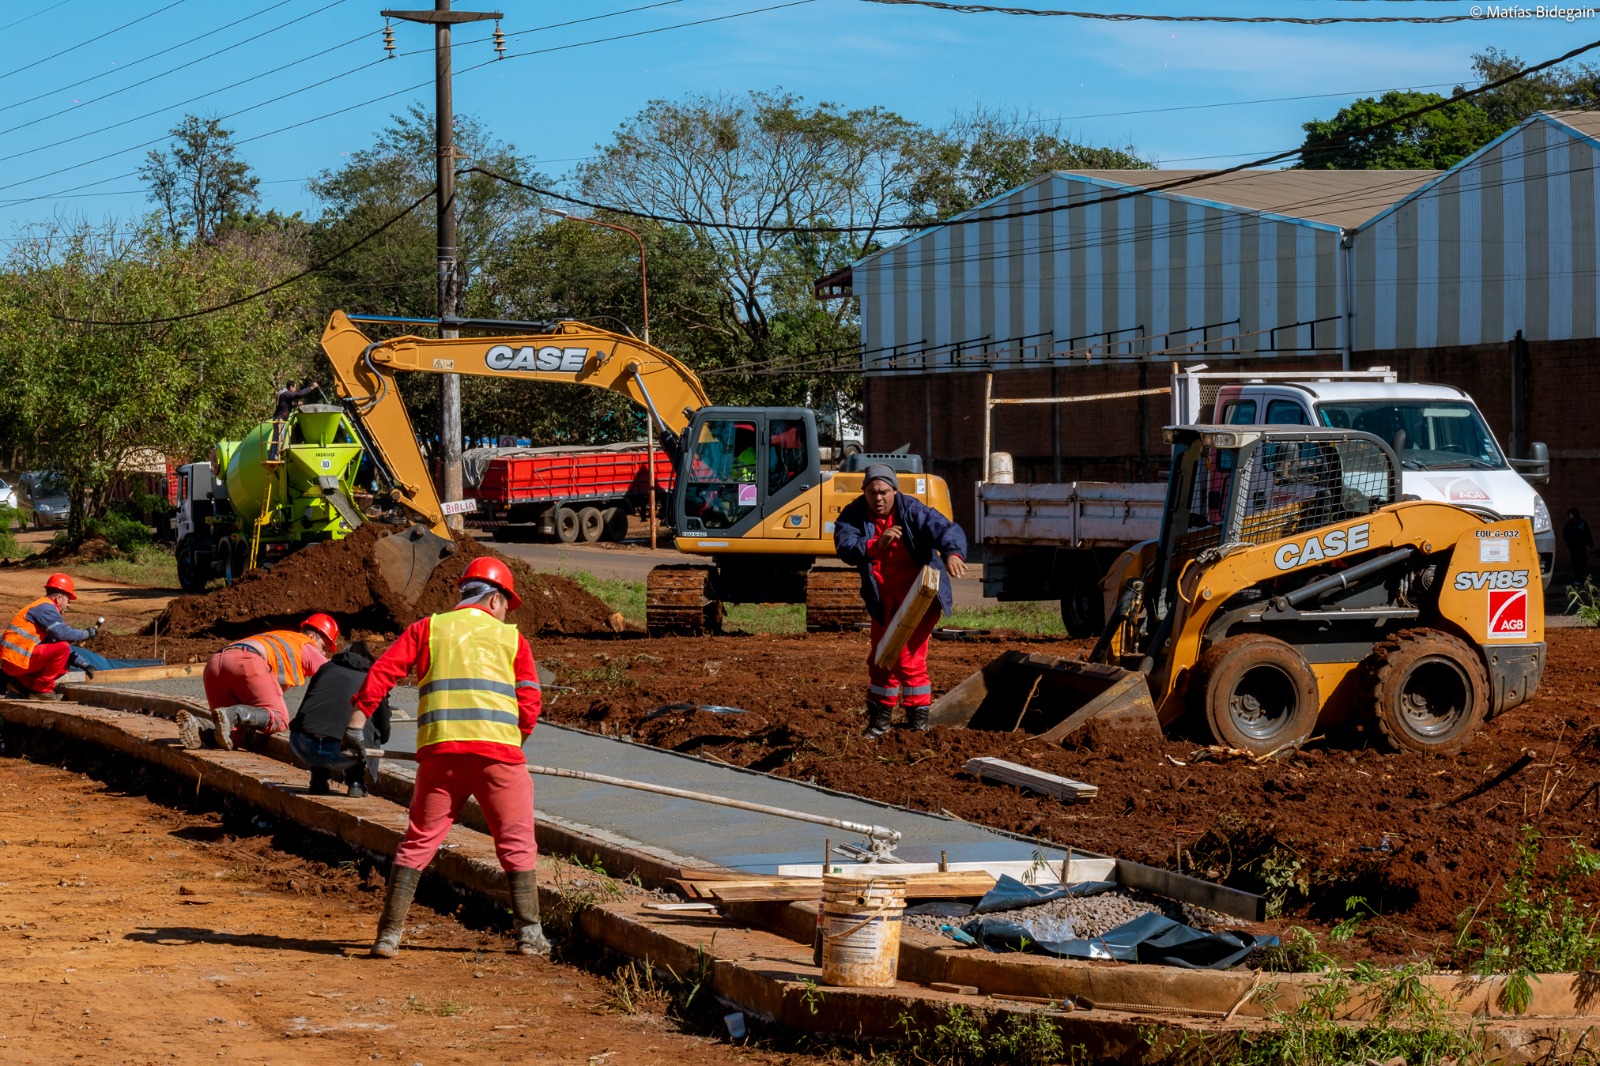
column 45, row 666
column 906, row 678
column 235, row 676
column 444, row 781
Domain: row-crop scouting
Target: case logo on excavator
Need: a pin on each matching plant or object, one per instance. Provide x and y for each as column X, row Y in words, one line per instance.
column 1329, row 545
column 1468, row 580
column 549, row 357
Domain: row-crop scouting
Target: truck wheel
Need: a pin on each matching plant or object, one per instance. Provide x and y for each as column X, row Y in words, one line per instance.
column 1257, row 693
column 235, row 558
column 616, row 520
column 192, row 577
column 566, row 523
column 590, row 524
column 1428, row 690
column 1083, row 608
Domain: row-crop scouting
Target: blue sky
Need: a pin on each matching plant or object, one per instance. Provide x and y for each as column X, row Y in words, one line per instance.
column 101, row 104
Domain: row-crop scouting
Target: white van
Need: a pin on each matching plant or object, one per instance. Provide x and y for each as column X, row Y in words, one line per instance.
column 1446, row 450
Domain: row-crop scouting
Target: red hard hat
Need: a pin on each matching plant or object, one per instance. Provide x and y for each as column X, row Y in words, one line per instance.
column 488, row 568
column 61, row 583
column 324, row 624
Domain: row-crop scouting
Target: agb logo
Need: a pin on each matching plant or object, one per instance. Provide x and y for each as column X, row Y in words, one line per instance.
column 1508, row 613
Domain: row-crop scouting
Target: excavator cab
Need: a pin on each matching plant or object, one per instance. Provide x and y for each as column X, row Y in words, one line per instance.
column 1292, row 590
column 743, row 469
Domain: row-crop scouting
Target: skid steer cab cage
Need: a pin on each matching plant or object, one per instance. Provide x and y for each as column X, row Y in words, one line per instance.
column 1234, row 487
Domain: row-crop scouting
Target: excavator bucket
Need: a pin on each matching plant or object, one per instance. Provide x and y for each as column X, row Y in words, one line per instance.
column 1047, row 696
column 408, row 558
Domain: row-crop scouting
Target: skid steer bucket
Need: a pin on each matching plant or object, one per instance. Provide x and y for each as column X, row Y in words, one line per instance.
column 1047, row 696
column 408, row 558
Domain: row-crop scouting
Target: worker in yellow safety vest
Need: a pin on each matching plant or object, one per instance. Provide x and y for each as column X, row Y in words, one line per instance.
column 479, row 699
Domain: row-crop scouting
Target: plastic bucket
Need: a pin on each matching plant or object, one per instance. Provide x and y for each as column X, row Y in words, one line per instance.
column 861, row 930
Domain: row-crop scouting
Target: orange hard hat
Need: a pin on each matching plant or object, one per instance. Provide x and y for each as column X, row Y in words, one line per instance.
column 488, row 568
column 324, row 624
column 61, row 583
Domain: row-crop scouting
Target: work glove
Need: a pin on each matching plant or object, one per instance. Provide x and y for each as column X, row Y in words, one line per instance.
column 93, row 631
column 355, row 743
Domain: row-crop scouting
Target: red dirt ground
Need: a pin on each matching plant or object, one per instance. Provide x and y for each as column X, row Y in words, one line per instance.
column 134, row 933
column 1330, row 807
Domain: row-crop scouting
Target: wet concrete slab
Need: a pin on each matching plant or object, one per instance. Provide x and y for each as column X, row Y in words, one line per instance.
column 735, row 839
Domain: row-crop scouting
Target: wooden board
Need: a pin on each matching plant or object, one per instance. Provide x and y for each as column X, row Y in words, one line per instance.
column 924, row 596
column 764, row 889
column 145, row 673
column 1010, row 773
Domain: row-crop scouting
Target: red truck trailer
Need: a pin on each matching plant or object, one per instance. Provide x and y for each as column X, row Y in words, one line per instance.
column 569, row 494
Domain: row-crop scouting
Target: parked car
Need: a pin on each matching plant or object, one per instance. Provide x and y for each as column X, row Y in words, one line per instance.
column 8, row 495
column 51, row 504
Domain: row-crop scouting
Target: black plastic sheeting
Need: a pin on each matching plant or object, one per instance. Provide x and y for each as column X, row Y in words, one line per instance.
column 1150, row 938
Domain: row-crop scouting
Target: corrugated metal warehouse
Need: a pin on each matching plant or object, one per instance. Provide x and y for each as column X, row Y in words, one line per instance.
column 1083, row 282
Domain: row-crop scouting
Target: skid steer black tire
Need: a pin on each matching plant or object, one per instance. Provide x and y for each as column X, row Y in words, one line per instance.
column 1257, row 694
column 1428, row 690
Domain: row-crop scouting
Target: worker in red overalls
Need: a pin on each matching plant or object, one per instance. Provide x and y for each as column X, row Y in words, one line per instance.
column 38, row 642
column 890, row 537
column 479, row 698
column 245, row 681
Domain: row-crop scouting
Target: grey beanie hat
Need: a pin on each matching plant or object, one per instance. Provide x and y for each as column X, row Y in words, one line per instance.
column 880, row 472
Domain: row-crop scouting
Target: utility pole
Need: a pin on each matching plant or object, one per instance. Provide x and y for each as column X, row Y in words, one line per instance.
column 442, row 18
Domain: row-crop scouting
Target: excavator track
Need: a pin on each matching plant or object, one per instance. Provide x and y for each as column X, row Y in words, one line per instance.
column 833, row 599
column 682, row 600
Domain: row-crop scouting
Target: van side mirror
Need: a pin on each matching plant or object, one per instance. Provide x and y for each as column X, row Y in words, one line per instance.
column 1535, row 469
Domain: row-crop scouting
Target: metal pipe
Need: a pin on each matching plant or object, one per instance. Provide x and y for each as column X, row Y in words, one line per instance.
column 889, row 837
column 1345, row 578
column 1129, row 394
column 988, row 417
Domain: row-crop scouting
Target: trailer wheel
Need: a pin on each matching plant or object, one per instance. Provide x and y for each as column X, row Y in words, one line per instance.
column 1083, row 607
column 590, row 524
column 1258, row 693
column 1428, row 690
column 616, row 523
column 566, row 523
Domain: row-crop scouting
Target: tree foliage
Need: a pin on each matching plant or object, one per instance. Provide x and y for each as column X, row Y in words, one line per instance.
column 198, row 183
column 1443, row 137
column 85, row 399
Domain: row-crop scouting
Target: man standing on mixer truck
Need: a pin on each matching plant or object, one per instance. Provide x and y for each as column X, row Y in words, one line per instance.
column 890, row 537
column 478, row 699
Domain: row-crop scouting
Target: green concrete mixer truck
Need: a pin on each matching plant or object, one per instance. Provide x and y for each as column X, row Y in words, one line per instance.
column 283, row 486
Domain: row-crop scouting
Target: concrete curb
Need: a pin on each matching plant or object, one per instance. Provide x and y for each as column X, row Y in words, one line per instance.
column 769, row 973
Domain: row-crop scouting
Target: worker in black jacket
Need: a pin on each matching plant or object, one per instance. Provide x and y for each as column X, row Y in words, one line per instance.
column 317, row 731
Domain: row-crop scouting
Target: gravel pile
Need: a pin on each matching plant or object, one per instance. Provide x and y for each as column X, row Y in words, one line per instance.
column 1088, row 916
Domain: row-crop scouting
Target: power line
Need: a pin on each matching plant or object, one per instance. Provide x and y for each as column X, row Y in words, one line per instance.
column 312, row 269
column 80, row 44
column 170, row 70
column 36, row 14
column 1100, row 16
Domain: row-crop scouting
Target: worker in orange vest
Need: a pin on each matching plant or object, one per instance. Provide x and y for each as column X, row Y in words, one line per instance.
column 38, row 642
column 479, row 698
column 245, row 681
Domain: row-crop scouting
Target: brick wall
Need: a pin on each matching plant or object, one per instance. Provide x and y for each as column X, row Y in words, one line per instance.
column 941, row 416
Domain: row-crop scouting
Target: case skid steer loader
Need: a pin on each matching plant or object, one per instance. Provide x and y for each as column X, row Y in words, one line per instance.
column 1292, row 589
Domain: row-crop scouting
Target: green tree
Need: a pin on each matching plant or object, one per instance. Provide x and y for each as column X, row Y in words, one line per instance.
column 199, row 183
column 985, row 153
column 86, row 398
column 1434, row 141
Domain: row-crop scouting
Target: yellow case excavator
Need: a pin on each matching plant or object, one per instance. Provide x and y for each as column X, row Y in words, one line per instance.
column 751, row 499
column 1292, row 589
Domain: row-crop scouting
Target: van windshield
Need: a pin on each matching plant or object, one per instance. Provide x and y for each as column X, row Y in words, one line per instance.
column 1425, row 434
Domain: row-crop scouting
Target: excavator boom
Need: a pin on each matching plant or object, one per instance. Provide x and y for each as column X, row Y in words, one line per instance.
column 570, row 353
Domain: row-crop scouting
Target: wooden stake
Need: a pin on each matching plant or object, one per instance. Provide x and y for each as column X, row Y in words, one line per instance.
column 944, row 862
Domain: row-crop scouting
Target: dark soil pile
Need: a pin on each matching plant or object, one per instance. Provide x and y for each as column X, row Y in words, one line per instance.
column 339, row 577
column 91, row 550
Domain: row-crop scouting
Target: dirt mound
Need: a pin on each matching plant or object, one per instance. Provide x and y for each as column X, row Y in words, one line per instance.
column 338, row 577
column 90, row 550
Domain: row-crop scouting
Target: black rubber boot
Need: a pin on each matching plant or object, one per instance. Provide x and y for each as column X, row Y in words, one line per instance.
column 228, row 718
column 319, row 784
column 525, row 913
column 402, row 890
column 355, row 780
column 879, row 716
column 188, row 730
column 917, row 718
